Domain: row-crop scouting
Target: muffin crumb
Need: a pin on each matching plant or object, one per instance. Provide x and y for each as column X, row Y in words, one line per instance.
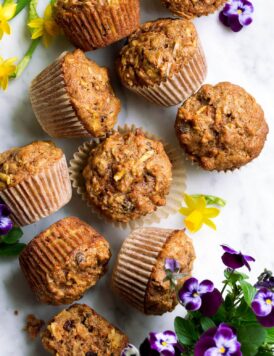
column 33, row 326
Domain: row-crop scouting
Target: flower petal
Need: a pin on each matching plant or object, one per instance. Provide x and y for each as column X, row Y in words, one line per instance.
column 190, row 285
column 4, row 210
column 194, row 221
column 203, row 345
column 213, row 351
column 185, row 211
column 8, row 11
column 267, row 321
column 233, row 261
column 228, row 249
column 210, row 224
column 211, row 212
column 5, row 225
column 211, row 302
column 190, row 202
column 261, row 308
column 206, row 286
column 234, row 23
column 170, row 337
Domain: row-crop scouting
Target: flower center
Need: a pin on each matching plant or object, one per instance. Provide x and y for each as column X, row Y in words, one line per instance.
column 196, row 294
column 240, row 11
column 222, row 350
column 268, row 301
column 164, row 343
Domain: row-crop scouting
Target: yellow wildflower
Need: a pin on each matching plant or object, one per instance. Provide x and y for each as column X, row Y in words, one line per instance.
column 197, row 213
column 7, row 12
column 44, row 27
column 7, row 68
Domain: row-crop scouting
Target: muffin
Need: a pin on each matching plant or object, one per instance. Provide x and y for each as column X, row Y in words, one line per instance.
column 163, row 61
column 221, row 127
column 128, row 175
column 80, row 331
column 65, row 260
column 34, row 181
column 91, row 24
column 73, row 97
column 190, row 9
column 139, row 274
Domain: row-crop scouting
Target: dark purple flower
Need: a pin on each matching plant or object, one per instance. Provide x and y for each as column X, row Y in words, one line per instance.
column 236, row 14
column 200, row 296
column 220, row 341
column 172, row 265
column 130, row 350
column 165, row 343
column 5, row 222
column 234, row 259
column 265, row 280
column 263, row 307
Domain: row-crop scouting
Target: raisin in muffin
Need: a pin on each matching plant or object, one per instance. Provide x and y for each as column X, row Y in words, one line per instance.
column 190, row 9
column 91, row 24
column 221, row 127
column 65, row 260
column 80, row 331
column 163, row 61
column 73, row 97
column 34, row 181
column 128, row 175
column 139, row 274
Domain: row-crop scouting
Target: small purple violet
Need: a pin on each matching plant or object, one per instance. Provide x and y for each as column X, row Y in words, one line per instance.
column 234, row 259
column 164, row 343
column 130, row 350
column 172, row 265
column 5, row 222
column 263, row 307
column 237, row 14
column 221, row 341
column 200, row 296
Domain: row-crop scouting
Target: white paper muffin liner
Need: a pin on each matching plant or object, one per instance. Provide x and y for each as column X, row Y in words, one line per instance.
column 181, row 86
column 51, row 103
column 173, row 199
column 135, row 262
column 39, row 195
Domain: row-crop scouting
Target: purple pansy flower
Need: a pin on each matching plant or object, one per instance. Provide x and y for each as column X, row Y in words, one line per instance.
column 220, row 341
column 5, row 222
column 263, row 307
column 130, row 350
column 265, row 280
column 200, row 296
column 172, row 265
column 164, row 343
column 234, row 259
column 236, row 14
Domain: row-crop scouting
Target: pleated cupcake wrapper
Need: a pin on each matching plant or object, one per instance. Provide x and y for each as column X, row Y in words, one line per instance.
column 97, row 26
column 181, row 86
column 173, row 200
column 40, row 195
column 43, row 254
column 52, row 106
column 135, row 262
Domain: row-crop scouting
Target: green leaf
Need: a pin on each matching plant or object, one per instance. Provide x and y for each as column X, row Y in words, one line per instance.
column 270, row 336
column 11, row 250
column 13, row 236
column 235, row 276
column 185, row 331
column 249, row 291
column 207, row 323
column 251, row 337
column 27, row 57
column 211, row 199
column 21, row 4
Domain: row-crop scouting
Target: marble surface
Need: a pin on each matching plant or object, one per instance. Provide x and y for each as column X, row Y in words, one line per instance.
column 246, row 222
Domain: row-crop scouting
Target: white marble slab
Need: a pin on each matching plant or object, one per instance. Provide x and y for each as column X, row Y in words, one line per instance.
column 246, row 223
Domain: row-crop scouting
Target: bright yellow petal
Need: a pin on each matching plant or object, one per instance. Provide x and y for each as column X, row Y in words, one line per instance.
column 37, row 33
column 210, row 223
column 10, row 61
column 201, row 203
column 211, row 212
column 4, row 81
column 185, row 211
column 8, row 11
column 48, row 12
column 1, row 33
column 36, row 23
column 194, row 221
column 190, row 202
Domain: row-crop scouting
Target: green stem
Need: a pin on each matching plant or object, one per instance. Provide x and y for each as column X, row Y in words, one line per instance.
column 227, row 281
column 27, row 57
column 21, row 4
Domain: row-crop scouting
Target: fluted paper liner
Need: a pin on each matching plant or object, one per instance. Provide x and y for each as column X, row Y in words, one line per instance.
column 136, row 259
column 181, row 86
column 51, row 103
column 97, row 26
column 40, row 195
column 173, row 199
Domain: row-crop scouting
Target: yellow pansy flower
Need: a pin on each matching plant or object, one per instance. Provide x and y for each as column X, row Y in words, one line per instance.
column 44, row 27
column 197, row 213
column 7, row 68
column 7, row 12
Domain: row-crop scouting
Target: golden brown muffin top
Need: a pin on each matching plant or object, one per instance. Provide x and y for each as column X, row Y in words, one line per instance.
column 221, row 127
column 157, row 51
column 75, row 5
column 190, row 9
column 90, row 93
column 80, row 331
column 128, row 175
column 19, row 163
column 160, row 298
